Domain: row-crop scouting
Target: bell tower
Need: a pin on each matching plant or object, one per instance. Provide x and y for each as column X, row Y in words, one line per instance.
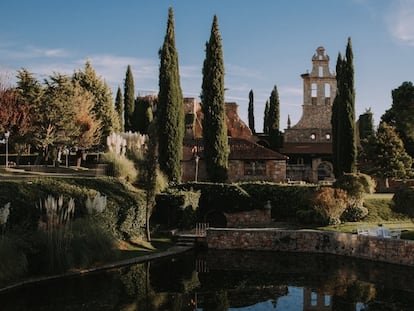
column 308, row 143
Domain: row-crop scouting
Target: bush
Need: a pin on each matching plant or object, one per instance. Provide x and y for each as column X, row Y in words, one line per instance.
column 176, row 209
column 120, row 167
column 90, row 243
column 356, row 185
column 226, row 198
column 354, row 213
column 329, row 204
column 286, row 200
column 403, row 201
column 13, row 263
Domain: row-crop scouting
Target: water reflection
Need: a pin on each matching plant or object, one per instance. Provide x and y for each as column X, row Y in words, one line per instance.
column 228, row 280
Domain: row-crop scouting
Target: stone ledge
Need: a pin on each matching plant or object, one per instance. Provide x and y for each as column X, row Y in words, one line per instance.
column 388, row 250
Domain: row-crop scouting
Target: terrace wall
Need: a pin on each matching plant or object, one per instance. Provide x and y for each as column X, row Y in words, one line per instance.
column 395, row 251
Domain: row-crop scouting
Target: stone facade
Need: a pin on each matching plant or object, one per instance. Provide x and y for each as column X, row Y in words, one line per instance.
column 248, row 161
column 309, row 142
column 395, row 251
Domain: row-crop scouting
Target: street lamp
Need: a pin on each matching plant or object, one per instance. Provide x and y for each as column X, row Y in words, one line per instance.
column 6, row 137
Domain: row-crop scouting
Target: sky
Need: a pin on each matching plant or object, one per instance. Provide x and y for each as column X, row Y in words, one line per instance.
column 266, row 43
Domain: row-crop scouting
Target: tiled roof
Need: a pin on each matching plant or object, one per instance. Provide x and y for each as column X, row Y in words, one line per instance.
column 240, row 149
column 307, row 148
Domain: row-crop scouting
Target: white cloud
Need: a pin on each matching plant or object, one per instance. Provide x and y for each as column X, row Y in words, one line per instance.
column 401, row 21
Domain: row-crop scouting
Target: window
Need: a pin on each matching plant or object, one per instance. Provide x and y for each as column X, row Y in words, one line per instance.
column 313, row 136
column 254, row 168
column 314, row 90
column 328, row 136
column 320, row 73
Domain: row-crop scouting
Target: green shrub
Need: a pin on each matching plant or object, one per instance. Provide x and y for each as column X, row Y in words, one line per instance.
column 124, row 215
column 354, row 213
column 90, row 243
column 120, row 167
column 286, row 200
column 403, row 201
column 357, row 185
column 176, row 209
column 223, row 197
column 13, row 263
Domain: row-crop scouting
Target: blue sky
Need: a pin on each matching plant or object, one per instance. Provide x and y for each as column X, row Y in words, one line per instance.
column 265, row 43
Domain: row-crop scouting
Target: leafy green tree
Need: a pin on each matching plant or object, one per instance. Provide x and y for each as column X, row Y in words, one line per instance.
column 274, row 118
column 266, row 118
column 216, row 149
column 129, row 100
column 401, row 114
column 251, row 112
column 387, row 153
column 119, row 107
column 170, row 107
column 343, row 116
column 14, row 117
column 143, row 113
column 103, row 108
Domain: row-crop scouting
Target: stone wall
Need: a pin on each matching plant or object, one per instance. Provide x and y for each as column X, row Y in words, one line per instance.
column 249, row 218
column 395, row 251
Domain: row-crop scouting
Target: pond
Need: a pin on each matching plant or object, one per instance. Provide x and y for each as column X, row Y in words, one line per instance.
column 228, row 280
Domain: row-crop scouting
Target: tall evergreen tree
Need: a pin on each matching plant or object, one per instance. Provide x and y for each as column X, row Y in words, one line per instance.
column 251, row 112
column 143, row 114
column 266, row 118
column 103, row 108
column 343, row 116
column 274, row 118
column 401, row 114
column 119, row 107
column 216, row 148
column 129, row 100
column 366, row 125
column 170, row 110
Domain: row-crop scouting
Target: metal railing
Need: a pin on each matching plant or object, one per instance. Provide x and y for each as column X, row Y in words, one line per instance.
column 201, row 228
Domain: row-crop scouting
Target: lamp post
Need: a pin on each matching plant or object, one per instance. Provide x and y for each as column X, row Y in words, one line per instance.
column 6, row 137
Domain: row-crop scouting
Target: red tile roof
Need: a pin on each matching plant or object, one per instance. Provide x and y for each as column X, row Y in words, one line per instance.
column 240, row 149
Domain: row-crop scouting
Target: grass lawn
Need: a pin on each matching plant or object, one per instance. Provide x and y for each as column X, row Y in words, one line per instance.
column 379, row 212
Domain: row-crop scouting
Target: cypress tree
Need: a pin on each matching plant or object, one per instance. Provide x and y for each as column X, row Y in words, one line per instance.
column 119, row 107
column 170, row 108
column 343, row 116
column 143, row 114
column 274, row 117
column 266, row 118
column 129, row 100
column 366, row 125
column 216, row 149
column 251, row 112
column 349, row 139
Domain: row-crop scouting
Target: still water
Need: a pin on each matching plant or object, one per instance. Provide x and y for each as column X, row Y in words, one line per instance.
column 228, row 280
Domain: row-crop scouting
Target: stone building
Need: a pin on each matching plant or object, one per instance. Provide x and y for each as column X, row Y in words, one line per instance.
column 247, row 160
column 308, row 144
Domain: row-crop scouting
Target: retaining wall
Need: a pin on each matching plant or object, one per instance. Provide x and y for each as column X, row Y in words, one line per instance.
column 394, row 251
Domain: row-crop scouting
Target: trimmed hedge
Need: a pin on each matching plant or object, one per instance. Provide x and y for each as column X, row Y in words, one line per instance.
column 226, row 198
column 286, row 200
column 124, row 215
column 176, row 209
